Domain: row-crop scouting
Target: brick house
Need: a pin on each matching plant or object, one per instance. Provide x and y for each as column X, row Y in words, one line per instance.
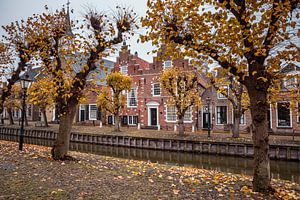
column 32, row 111
column 146, row 105
column 283, row 119
column 88, row 112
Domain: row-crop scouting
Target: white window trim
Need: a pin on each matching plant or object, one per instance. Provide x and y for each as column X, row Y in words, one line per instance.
column 155, row 95
column 232, row 119
column 90, row 112
column 136, row 98
column 291, row 116
column 149, row 113
column 298, row 115
column 164, row 66
column 271, row 124
column 216, row 111
column 191, row 119
column 202, row 111
column 185, row 121
column 122, row 67
column 132, row 124
column 219, row 93
column 166, row 111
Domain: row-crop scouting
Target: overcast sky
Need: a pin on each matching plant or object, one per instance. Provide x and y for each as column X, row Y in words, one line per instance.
column 12, row 10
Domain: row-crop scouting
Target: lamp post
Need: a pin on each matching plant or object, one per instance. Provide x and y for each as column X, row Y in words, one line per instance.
column 24, row 84
column 208, row 110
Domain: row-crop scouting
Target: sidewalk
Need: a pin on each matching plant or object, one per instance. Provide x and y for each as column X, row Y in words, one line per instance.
column 32, row 174
column 199, row 135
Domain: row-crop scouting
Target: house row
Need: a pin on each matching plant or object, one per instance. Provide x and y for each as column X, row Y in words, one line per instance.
column 147, row 107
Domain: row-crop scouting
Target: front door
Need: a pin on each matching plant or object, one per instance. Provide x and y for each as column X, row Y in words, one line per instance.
column 205, row 120
column 153, row 116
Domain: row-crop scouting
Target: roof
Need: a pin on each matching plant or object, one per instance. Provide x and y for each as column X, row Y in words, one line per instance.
column 290, row 67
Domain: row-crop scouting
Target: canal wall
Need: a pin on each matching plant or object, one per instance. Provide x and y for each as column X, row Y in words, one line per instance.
column 277, row 151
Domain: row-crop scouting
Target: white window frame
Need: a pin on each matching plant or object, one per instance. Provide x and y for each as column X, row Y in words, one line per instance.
column 204, row 109
column 298, row 114
column 132, row 121
column 153, row 90
column 222, row 96
column 165, row 64
column 291, row 116
column 167, row 114
column 217, row 115
column 232, row 120
column 128, row 98
column 176, row 119
column 91, row 118
column 190, row 111
column 81, row 107
column 122, row 69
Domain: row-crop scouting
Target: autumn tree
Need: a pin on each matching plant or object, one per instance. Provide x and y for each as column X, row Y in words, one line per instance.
column 185, row 90
column 236, row 93
column 250, row 39
column 63, row 51
column 13, row 101
column 40, row 93
column 17, row 45
column 111, row 98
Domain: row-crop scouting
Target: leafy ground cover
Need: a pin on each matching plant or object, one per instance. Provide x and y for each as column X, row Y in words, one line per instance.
column 32, row 174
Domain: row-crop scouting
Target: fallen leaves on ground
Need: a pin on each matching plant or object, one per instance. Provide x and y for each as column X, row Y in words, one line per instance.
column 32, row 174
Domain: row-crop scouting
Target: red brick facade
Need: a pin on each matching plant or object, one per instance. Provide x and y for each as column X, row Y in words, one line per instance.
column 147, row 110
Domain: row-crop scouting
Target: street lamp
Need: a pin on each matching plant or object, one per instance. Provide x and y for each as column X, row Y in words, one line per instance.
column 208, row 110
column 25, row 81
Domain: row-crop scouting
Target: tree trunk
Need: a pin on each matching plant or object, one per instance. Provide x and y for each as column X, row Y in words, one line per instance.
column 259, row 108
column 180, row 125
column 10, row 117
column 61, row 146
column 236, row 124
column 45, row 117
column 117, row 122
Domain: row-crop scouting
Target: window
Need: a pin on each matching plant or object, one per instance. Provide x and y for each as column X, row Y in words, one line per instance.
column 124, row 69
column 222, row 95
column 188, row 115
column 132, row 119
column 283, row 114
column 28, row 111
column 242, row 119
column 171, row 114
column 93, row 112
column 156, row 89
column 167, row 64
column 298, row 121
column 221, row 114
column 132, row 98
column 111, row 119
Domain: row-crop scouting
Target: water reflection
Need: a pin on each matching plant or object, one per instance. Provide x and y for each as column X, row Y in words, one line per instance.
column 279, row 169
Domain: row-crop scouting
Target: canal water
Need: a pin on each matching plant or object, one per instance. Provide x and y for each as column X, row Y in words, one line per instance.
column 287, row 170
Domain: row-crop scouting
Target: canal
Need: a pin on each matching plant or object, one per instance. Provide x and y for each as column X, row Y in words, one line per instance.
column 287, row 170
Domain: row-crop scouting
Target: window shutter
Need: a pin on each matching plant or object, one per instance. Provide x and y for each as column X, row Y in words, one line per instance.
column 135, row 119
column 98, row 115
column 125, row 120
column 109, row 119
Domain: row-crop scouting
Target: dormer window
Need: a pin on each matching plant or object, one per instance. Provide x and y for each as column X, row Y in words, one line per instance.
column 167, row 64
column 124, row 69
column 223, row 93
